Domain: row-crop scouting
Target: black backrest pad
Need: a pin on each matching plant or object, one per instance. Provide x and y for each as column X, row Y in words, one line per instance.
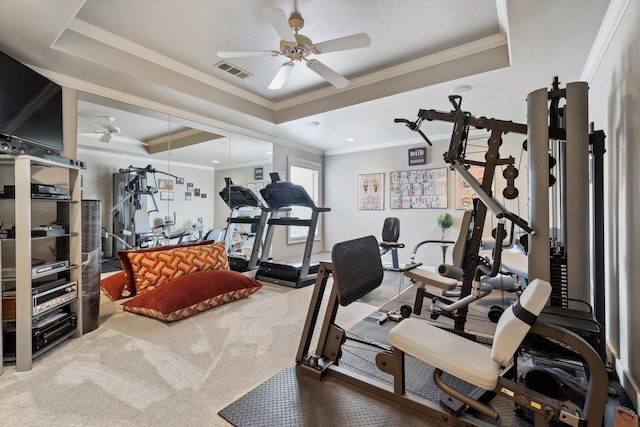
column 357, row 268
column 391, row 230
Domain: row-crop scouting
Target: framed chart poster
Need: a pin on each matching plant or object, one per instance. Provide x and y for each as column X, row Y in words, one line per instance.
column 371, row 192
column 419, row 189
column 464, row 193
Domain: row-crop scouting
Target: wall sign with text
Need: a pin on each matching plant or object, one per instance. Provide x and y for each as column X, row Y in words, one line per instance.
column 417, row 156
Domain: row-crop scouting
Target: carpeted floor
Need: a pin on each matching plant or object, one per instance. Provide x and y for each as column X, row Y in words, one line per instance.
column 135, row 370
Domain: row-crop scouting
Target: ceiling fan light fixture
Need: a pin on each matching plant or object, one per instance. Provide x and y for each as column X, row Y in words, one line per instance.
column 297, row 47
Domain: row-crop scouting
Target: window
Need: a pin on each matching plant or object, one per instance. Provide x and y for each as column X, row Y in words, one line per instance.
column 307, row 175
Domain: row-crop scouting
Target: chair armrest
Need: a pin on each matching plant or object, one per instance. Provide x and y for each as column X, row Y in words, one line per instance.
column 392, row 245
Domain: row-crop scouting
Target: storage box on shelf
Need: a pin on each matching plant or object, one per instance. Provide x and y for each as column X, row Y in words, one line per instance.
column 41, row 257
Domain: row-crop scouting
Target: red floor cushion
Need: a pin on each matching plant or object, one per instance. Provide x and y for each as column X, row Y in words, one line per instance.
column 152, row 267
column 114, row 285
column 192, row 293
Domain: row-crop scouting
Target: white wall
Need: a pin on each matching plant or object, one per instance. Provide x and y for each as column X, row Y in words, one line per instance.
column 615, row 107
column 346, row 222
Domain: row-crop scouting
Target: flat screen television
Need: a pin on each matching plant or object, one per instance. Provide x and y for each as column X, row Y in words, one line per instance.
column 30, row 105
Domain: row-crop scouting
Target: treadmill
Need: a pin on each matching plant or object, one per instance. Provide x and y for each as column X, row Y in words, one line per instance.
column 279, row 197
column 238, row 197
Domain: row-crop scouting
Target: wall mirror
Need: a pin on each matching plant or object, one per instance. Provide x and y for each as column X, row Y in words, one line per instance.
column 184, row 162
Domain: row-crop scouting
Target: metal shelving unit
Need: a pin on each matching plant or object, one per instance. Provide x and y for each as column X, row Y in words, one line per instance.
column 19, row 251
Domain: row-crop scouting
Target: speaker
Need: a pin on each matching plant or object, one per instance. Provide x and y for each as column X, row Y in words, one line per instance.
column 91, row 264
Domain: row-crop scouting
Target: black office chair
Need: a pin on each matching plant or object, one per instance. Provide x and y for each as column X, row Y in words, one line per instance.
column 390, row 236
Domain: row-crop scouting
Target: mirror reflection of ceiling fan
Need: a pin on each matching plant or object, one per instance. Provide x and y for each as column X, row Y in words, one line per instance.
column 297, row 48
column 109, row 131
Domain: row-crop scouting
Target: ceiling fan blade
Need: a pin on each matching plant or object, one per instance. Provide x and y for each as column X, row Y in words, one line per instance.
column 354, row 41
column 281, row 76
column 106, row 137
column 328, row 74
column 247, row 53
column 280, row 22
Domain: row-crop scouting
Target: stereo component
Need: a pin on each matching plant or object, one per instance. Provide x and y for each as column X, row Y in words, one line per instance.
column 47, row 334
column 54, row 267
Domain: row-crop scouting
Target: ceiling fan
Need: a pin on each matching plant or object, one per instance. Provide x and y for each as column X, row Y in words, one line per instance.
column 297, row 48
column 108, row 131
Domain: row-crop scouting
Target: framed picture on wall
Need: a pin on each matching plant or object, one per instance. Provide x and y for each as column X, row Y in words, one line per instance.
column 166, row 195
column 464, row 193
column 419, row 189
column 371, row 192
column 165, row 184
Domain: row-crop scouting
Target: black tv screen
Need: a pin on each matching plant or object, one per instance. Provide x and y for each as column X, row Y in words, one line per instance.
column 30, row 105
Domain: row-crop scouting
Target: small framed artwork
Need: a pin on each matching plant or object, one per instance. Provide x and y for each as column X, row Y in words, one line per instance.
column 371, row 191
column 464, row 192
column 165, row 184
column 203, row 195
column 166, row 195
column 180, row 181
column 196, row 192
column 187, row 195
column 258, row 173
column 189, row 186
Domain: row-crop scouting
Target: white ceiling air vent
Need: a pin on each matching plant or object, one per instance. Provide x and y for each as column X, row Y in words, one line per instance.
column 232, row 69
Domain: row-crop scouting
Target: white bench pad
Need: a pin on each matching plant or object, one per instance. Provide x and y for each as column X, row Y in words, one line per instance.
column 468, row 360
column 431, row 277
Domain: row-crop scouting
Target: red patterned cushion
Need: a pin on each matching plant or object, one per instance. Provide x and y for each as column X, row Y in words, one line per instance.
column 113, row 285
column 154, row 269
column 193, row 293
column 130, row 285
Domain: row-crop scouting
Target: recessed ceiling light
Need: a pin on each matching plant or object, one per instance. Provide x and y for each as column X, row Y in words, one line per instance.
column 216, row 161
column 351, row 139
column 313, row 123
column 461, row 89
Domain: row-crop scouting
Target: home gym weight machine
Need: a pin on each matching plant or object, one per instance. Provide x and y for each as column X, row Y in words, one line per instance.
column 130, row 211
column 473, row 263
column 357, row 270
column 561, row 149
column 354, row 277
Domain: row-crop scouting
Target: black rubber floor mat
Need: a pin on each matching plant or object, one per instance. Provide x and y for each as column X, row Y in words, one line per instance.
column 292, row 399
